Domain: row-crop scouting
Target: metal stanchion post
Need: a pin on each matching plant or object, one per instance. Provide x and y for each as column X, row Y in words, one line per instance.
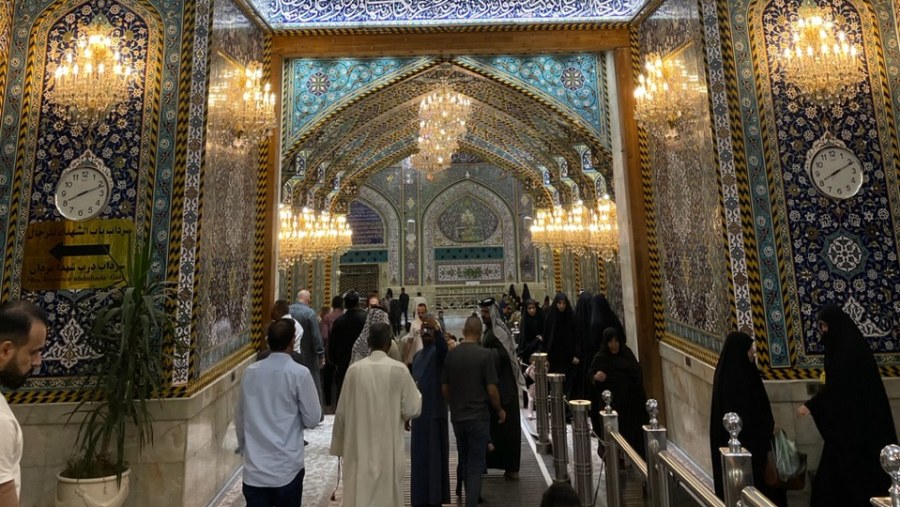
column 737, row 470
column 558, row 428
column 581, row 436
column 541, row 402
column 655, row 440
column 890, row 462
column 614, row 490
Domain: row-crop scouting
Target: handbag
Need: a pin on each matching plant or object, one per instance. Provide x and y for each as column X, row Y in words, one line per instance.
column 785, row 465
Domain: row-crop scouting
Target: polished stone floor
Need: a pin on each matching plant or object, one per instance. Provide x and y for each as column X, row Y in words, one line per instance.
column 321, row 477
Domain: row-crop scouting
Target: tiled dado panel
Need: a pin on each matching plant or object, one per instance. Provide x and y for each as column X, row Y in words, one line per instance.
column 228, row 188
column 191, row 458
column 682, row 157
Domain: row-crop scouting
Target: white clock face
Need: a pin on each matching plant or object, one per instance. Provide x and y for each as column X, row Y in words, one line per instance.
column 82, row 193
column 836, row 172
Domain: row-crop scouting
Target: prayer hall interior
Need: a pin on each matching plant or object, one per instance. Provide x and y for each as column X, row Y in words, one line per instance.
column 708, row 166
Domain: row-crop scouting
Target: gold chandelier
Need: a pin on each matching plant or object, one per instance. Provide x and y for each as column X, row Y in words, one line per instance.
column 666, row 96
column 93, row 77
column 255, row 115
column 548, row 228
column 580, row 229
column 604, row 229
column 442, row 122
column 241, row 106
column 308, row 236
column 819, row 58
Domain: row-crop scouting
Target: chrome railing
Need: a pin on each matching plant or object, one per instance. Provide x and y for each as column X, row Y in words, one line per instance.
column 664, row 471
column 890, row 462
column 751, row 497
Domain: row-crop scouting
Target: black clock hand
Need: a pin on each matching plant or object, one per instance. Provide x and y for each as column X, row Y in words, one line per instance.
column 85, row 192
column 839, row 170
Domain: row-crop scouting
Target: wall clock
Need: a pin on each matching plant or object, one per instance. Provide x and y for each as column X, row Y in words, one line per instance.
column 84, row 188
column 835, row 171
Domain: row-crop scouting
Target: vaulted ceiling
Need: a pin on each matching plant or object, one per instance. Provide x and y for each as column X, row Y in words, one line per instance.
column 508, row 128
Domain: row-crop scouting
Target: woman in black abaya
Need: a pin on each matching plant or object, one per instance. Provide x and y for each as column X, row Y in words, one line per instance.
column 559, row 337
column 617, row 369
column 530, row 329
column 737, row 387
column 582, row 348
column 853, row 415
column 602, row 317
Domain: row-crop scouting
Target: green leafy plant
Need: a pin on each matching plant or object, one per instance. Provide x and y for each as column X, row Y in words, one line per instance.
column 131, row 319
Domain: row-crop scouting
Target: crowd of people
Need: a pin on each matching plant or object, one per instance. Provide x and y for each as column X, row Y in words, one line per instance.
column 383, row 375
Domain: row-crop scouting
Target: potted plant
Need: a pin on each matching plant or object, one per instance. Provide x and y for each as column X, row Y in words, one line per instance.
column 130, row 322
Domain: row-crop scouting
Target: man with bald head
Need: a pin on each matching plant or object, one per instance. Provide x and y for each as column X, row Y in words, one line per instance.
column 312, row 349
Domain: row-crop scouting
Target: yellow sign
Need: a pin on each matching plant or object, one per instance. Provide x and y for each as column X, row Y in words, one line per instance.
column 76, row 255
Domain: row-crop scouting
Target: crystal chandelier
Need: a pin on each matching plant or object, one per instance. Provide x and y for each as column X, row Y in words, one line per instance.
column 580, row 229
column 604, row 229
column 548, row 228
column 666, row 96
column 442, row 122
column 309, row 235
column 254, row 116
column 93, row 77
column 818, row 58
column 577, row 228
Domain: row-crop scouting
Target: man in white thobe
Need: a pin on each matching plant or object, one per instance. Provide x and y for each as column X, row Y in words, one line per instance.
column 378, row 397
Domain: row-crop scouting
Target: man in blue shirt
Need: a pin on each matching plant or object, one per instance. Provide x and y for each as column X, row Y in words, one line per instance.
column 278, row 399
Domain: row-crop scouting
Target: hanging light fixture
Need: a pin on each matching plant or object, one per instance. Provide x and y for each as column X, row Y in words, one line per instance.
column 666, row 96
column 308, row 236
column 819, row 58
column 604, row 229
column 255, row 108
column 548, row 228
column 93, row 77
column 581, row 229
column 442, row 122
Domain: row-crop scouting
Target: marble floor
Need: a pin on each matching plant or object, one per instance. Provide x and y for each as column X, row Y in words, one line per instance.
column 321, row 476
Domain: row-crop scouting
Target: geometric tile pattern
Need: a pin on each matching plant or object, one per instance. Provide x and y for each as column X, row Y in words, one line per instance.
column 184, row 356
column 136, row 143
column 827, row 251
column 387, row 213
column 686, row 189
column 790, row 249
column 400, row 189
column 448, row 200
column 228, row 193
column 314, row 87
column 575, row 80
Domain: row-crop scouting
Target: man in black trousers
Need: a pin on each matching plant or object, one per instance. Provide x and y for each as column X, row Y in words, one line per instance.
column 344, row 333
column 404, row 305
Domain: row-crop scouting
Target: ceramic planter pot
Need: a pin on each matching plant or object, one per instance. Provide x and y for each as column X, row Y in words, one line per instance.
column 102, row 492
